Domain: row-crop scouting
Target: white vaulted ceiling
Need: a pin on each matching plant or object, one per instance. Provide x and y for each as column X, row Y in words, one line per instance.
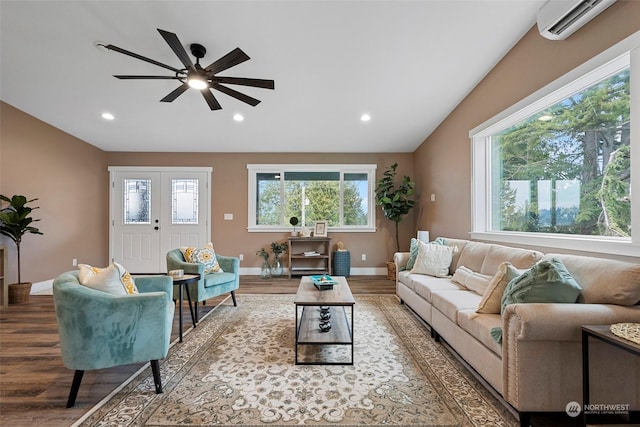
column 405, row 63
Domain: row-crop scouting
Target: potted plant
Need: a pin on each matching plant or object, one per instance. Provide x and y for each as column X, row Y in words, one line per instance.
column 294, row 221
column 277, row 249
column 265, row 271
column 15, row 222
column 396, row 201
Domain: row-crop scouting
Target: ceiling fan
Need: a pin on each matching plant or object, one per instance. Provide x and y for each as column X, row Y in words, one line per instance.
column 197, row 77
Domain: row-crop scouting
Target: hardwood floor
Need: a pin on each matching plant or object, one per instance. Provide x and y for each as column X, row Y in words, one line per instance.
column 34, row 384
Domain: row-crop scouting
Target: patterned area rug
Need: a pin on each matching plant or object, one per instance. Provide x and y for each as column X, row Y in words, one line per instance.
column 237, row 368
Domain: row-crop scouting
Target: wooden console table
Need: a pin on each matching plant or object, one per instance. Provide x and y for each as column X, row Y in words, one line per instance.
column 305, row 265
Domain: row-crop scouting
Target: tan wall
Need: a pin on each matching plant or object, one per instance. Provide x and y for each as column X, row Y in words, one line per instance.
column 229, row 195
column 69, row 177
column 443, row 161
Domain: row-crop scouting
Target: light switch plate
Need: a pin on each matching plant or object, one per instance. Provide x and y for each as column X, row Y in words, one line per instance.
column 228, row 217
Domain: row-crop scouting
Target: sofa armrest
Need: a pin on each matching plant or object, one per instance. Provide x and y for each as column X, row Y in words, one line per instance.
column 229, row 264
column 147, row 284
column 560, row 322
column 400, row 259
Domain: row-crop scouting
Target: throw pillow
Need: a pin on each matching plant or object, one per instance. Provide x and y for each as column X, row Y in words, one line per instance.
column 492, row 297
column 205, row 256
column 433, row 260
column 547, row 281
column 114, row 279
column 413, row 254
column 471, row 280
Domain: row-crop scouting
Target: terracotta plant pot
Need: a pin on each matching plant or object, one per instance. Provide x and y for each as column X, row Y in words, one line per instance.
column 19, row 292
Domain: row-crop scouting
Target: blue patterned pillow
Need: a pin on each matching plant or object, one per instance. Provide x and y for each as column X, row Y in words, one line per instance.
column 205, row 256
column 413, row 254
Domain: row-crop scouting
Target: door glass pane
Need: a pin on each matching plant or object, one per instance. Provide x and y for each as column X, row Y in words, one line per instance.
column 184, row 201
column 137, row 201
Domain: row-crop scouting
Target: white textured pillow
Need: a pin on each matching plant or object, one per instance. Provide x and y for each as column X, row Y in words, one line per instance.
column 471, row 280
column 433, row 260
column 114, row 279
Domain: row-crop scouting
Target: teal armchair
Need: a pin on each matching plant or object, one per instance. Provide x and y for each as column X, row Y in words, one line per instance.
column 210, row 285
column 101, row 330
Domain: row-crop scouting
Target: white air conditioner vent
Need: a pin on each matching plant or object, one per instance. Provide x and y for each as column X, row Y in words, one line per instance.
column 558, row 19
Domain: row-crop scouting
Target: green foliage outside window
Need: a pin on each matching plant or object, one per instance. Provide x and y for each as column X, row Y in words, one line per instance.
column 567, row 169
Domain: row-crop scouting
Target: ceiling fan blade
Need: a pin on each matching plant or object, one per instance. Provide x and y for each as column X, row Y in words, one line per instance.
column 175, row 45
column 265, row 84
column 140, row 57
column 237, row 95
column 211, row 100
column 176, row 93
column 235, row 57
column 119, row 76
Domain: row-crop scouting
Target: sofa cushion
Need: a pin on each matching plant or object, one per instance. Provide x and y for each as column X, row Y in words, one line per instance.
column 471, row 280
column 547, row 281
column 473, row 255
column 450, row 302
column 218, row 279
column 492, row 299
column 425, row 285
column 480, row 325
column 603, row 281
column 497, row 254
column 433, row 259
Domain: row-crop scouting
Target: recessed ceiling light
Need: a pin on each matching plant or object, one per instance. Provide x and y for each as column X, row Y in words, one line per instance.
column 108, row 116
column 238, row 117
column 365, row 117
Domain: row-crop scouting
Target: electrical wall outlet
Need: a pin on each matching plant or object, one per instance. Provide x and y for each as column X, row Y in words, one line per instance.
column 364, row 257
column 241, row 256
column 74, row 262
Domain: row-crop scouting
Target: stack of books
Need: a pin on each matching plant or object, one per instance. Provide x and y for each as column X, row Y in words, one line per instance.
column 311, row 253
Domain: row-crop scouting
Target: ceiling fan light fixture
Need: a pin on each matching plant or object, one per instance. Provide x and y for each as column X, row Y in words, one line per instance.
column 197, row 82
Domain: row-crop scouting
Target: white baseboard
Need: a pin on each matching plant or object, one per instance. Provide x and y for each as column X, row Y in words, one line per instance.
column 39, row 287
column 47, row 285
column 373, row 271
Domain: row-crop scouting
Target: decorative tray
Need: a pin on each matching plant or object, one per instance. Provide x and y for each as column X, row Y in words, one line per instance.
column 323, row 281
column 628, row 331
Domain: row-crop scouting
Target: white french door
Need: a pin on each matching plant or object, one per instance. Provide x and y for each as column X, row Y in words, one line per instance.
column 154, row 210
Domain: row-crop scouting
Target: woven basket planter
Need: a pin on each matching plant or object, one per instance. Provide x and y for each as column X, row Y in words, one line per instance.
column 391, row 270
column 19, row 292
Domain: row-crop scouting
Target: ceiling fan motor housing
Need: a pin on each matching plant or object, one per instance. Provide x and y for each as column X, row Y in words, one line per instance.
column 198, row 50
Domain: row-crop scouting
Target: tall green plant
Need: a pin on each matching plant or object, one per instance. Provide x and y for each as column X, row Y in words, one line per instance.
column 396, row 201
column 15, row 221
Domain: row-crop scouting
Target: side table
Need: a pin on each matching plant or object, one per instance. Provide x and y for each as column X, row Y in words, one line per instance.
column 182, row 282
column 604, row 334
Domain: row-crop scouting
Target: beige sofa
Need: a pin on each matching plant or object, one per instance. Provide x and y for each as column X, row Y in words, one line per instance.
column 538, row 365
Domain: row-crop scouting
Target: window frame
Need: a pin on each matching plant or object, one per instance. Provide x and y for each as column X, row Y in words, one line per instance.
column 254, row 169
column 581, row 77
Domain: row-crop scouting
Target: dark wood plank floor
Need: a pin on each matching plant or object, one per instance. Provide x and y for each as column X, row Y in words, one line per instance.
column 34, row 384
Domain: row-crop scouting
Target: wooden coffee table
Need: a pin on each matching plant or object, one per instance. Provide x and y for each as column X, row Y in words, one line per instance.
column 341, row 304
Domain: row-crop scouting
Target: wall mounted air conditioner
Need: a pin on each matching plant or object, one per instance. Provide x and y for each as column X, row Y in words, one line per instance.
column 558, row 19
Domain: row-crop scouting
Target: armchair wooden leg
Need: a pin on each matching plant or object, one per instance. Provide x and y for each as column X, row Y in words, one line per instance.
column 75, row 386
column 233, row 297
column 157, row 380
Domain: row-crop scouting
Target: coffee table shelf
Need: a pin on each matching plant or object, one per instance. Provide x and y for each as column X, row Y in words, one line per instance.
column 309, row 333
column 341, row 304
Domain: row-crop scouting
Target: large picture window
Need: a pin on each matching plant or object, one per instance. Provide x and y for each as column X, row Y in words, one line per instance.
column 339, row 194
column 557, row 170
